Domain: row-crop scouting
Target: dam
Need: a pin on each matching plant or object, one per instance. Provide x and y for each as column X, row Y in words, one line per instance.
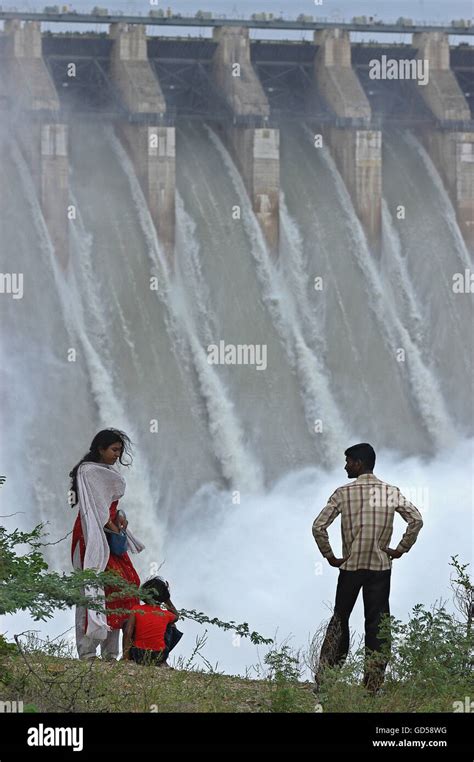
column 188, row 192
column 246, row 88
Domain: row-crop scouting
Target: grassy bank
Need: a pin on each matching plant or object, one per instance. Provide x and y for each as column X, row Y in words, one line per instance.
column 52, row 684
column 430, row 657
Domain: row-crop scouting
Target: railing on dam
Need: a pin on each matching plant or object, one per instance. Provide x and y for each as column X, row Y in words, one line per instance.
column 53, row 14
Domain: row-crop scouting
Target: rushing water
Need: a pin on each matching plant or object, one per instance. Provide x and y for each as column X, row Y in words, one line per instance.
column 224, row 492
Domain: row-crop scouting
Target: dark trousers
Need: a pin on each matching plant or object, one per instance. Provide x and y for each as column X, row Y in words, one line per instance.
column 376, row 591
column 143, row 656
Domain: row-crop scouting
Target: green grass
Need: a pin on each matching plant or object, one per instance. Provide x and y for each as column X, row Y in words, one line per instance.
column 53, row 684
column 430, row 667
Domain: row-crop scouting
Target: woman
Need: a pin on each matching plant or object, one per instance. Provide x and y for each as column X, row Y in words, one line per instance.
column 97, row 487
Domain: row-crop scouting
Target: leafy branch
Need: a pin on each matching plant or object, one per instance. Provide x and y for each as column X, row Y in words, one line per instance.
column 27, row 584
column 240, row 629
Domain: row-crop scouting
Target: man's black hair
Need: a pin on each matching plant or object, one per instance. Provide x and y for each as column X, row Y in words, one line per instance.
column 157, row 589
column 363, row 452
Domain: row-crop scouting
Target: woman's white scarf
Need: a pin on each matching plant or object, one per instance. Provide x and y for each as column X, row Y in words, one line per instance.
column 98, row 486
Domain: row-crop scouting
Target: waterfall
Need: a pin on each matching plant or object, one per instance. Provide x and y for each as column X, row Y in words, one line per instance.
column 141, row 356
column 424, row 388
column 395, row 271
column 110, row 409
column 318, row 400
column 448, row 210
column 295, row 269
column 432, row 251
column 238, row 465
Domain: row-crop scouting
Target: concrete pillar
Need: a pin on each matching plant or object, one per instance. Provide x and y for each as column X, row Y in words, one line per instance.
column 4, row 96
column 357, row 151
column 234, row 74
column 442, row 94
column 452, row 151
column 255, row 150
column 34, row 117
column 151, row 146
column 55, row 185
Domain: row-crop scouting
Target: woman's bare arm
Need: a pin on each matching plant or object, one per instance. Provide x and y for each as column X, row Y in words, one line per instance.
column 170, row 606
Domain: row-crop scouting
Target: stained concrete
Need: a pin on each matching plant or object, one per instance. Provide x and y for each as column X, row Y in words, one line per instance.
column 35, row 118
column 254, row 150
column 357, row 152
column 452, row 151
column 151, row 146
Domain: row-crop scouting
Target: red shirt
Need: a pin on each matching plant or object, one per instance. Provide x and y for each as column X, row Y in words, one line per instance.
column 150, row 626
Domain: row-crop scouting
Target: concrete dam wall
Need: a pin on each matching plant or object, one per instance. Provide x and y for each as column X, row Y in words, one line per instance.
column 160, row 197
column 47, row 81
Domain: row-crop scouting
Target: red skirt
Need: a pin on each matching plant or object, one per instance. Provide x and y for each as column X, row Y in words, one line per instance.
column 121, row 565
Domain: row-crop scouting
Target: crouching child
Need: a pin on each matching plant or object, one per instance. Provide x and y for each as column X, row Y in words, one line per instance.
column 151, row 631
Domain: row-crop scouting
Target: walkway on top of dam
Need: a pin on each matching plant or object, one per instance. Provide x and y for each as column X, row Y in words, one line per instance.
column 159, row 17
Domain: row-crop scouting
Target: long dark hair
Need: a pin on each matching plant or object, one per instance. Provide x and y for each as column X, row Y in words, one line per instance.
column 157, row 588
column 101, row 441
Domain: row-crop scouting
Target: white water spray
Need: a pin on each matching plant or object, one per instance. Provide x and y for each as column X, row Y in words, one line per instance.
column 239, row 466
column 318, row 400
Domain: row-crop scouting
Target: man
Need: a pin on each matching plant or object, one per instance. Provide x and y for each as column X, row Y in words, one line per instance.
column 367, row 506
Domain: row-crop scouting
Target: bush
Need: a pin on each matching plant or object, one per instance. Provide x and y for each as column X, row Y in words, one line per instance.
column 430, row 663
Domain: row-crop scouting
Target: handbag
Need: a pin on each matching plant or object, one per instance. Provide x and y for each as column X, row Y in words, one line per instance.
column 117, row 541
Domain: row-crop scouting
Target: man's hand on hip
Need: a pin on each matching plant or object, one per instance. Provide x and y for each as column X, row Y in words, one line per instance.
column 333, row 561
column 393, row 553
